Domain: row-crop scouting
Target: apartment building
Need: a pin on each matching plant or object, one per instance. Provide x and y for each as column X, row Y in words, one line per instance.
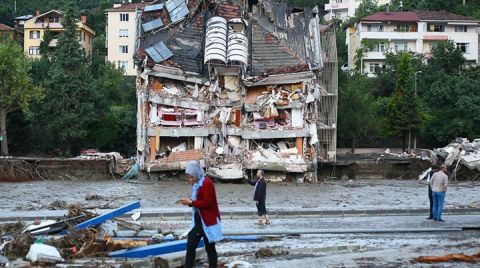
column 236, row 93
column 34, row 30
column 121, row 34
column 410, row 31
column 344, row 9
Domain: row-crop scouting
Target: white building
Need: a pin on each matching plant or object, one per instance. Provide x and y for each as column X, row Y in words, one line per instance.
column 343, row 9
column 410, row 31
column 121, row 34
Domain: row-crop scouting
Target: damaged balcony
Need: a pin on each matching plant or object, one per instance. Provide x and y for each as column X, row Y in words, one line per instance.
column 286, row 155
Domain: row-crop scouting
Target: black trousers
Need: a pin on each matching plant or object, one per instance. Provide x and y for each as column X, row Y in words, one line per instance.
column 430, row 198
column 192, row 241
column 261, row 208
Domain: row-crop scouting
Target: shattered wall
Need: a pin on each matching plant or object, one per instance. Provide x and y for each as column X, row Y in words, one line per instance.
column 227, row 88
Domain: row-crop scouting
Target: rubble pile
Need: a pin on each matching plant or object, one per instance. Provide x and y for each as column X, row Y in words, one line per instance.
column 462, row 157
column 80, row 234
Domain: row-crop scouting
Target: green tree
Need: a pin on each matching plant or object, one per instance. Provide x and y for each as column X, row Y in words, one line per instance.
column 45, row 44
column 16, row 88
column 356, row 109
column 446, row 58
column 404, row 111
column 69, row 107
column 454, row 102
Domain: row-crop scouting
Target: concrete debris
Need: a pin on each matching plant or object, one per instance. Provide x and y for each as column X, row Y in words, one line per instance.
column 462, row 157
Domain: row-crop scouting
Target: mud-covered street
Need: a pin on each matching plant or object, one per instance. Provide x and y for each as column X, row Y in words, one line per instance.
column 328, row 195
column 372, row 239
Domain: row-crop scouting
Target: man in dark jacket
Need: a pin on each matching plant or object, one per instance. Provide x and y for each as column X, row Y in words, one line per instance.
column 260, row 195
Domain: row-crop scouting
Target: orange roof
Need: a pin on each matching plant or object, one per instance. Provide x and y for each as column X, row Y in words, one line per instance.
column 129, row 7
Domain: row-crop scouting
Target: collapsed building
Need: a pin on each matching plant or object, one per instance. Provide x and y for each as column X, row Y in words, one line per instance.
column 235, row 85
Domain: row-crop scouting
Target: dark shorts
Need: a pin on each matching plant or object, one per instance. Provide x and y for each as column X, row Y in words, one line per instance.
column 262, row 210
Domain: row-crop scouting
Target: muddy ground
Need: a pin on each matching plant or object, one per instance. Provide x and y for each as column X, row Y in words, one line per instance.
column 327, row 195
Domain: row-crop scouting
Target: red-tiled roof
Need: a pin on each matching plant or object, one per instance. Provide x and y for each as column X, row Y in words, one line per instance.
column 393, row 16
column 4, row 27
column 440, row 15
column 129, row 7
column 228, row 10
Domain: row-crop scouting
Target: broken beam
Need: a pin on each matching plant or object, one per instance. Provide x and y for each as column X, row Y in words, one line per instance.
column 154, row 250
column 107, row 216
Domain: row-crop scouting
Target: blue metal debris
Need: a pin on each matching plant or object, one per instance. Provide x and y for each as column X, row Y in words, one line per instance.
column 102, row 218
column 154, row 250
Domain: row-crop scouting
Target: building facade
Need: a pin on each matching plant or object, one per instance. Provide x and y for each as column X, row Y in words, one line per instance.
column 410, row 31
column 6, row 32
column 121, row 35
column 344, row 9
column 34, row 31
column 236, row 93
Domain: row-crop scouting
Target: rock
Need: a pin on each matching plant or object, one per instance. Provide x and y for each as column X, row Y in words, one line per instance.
column 3, row 260
column 269, row 252
column 58, row 205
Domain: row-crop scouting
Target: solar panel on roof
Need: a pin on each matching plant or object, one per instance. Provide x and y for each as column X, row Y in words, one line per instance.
column 179, row 14
column 159, row 52
column 173, row 4
column 151, row 25
column 177, row 10
column 153, row 7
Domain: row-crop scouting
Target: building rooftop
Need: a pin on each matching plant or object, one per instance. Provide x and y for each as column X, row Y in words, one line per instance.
column 5, row 28
column 129, row 7
column 393, row 16
column 440, row 15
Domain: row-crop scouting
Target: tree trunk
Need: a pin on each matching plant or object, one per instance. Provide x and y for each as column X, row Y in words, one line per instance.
column 409, row 140
column 3, row 131
column 404, row 136
column 353, row 145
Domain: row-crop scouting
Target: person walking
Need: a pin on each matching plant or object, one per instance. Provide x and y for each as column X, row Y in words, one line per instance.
column 260, row 196
column 439, row 187
column 434, row 168
column 206, row 222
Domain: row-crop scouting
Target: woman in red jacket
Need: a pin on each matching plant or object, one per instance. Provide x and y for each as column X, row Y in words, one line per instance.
column 205, row 215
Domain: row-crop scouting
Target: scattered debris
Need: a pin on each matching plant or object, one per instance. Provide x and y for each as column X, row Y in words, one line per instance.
column 43, row 254
column 93, row 197
column 123, row 244
column 239, row 264
column 135, row 216
column 11, row 228
column 450, row 257
column 269, row 252
column 58, row 205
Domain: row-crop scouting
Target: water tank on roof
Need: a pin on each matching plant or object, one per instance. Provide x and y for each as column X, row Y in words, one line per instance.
column 237, row 51
column 216, row 40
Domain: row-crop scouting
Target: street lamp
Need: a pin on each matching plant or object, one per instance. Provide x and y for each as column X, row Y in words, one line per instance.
column 415, row 134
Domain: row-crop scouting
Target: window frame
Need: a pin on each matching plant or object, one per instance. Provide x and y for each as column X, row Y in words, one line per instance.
column 123, row 49
column 122, row 33
column 124, row 17
column 464, row 45
column 32, row 35
column 32, row 49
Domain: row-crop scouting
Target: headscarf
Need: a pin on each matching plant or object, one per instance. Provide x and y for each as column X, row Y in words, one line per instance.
column 193, row 168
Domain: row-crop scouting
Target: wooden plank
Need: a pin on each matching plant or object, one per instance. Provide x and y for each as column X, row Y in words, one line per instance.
column 107, row 216
column 299, row 145
column 152, row 143
column 154, row 250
